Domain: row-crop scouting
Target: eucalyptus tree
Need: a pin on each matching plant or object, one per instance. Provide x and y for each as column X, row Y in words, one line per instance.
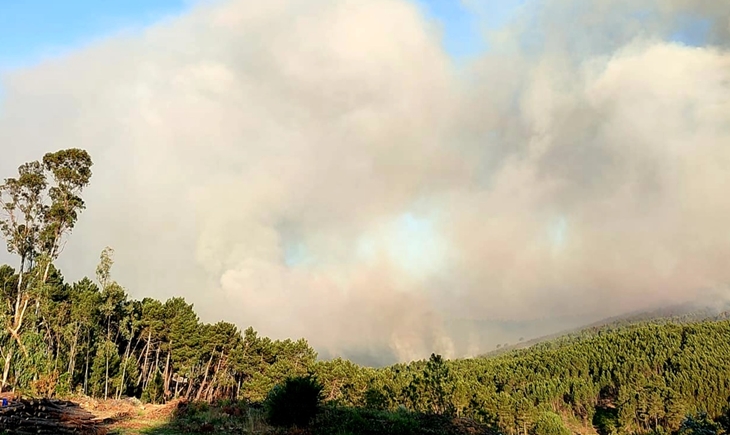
column 40, row 207
column 113, row 299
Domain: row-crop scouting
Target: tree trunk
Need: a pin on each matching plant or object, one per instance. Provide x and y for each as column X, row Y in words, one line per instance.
column 106, row 357
column 20, row 282
column 189, row 390
column 167, row 370
column 48, row 264
column 205, row 378
column 6, row 370
column 146, row 355
column 106, row 376
column 124, row 369
column 19, row 312
column 86, row 371
column 72, row 355
column 211, row 388
column 157, row 365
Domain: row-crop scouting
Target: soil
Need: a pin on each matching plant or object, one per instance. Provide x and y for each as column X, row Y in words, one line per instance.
column 83, row 415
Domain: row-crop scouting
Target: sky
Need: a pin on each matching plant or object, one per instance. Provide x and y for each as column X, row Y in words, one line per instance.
column 387, row 178
column 33, row 30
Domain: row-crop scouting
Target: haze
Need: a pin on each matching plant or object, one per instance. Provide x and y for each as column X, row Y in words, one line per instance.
column 327, row 169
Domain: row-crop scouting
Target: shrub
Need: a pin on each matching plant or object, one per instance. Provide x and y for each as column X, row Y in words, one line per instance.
column 45, row 386
column 549, row 423
column 295, row 403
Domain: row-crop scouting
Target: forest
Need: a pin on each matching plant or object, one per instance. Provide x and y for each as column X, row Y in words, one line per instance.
column 90, row 338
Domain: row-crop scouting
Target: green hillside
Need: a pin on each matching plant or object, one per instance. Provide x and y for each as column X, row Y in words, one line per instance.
column 680, row 313
column 638, row 378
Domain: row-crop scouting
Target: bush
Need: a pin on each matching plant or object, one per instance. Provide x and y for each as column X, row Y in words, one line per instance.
column 45, row 386
column 295, row 403
column 549, row 423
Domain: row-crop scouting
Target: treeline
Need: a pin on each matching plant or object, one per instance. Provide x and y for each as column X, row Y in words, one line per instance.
column 89, row 337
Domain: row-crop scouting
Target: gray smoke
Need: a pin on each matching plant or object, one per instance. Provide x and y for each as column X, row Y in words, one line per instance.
column 323, row 168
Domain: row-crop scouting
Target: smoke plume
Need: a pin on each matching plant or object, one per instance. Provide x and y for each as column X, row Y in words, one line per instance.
column 323, row 168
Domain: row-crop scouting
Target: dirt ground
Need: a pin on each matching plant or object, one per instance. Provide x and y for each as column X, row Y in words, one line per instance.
column 131, row 417
column 83, row 414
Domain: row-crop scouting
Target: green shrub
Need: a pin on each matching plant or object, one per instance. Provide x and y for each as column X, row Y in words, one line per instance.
column 295, row 403
column 549, row 423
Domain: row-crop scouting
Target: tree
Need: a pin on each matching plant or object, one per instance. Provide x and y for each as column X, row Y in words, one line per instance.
column 112, row 300
column 699, row 424
column 154, row 391
column 70, row 170
column 84, row 300
column 152, row 329
column 22, row 201
column 431, row 390
column 104, row 368
column 549, row 423
column 37, row 214
column 181, row 344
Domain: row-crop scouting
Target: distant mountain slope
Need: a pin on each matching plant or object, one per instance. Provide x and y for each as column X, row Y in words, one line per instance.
column 636, row 374
column 679, row 313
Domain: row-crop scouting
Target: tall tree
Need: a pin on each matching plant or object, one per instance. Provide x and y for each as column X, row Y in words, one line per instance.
column 113, row 298
column 37, row 214
column 22, row 201
column 70, row 171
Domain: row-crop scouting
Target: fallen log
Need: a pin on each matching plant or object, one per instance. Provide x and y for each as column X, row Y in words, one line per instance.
column 47, row 416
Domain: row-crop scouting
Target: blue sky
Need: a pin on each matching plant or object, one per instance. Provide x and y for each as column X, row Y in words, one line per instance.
column 462, row 31
column 31, row 30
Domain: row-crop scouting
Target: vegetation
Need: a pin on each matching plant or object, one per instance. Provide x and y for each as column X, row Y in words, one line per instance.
column 295, row 403
column 89, row 337
column 549, row 423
